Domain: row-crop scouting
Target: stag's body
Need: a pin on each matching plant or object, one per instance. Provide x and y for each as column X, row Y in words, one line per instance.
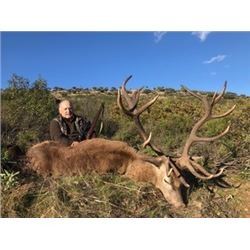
column 102, row 156
column 99, row 155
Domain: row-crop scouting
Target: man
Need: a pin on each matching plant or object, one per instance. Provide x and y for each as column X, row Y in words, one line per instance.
column 68, row 128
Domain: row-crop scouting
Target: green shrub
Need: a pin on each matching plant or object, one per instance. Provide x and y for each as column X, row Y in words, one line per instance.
column 8, row 179
column 26, row 112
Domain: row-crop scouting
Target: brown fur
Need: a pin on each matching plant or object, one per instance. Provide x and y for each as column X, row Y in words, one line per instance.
column 102, row 156
column 97, row 155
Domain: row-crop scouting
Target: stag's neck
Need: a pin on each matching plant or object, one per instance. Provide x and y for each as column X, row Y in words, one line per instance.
column 142, row 171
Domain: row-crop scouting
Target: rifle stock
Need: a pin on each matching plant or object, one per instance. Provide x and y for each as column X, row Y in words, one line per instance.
column 95, row 120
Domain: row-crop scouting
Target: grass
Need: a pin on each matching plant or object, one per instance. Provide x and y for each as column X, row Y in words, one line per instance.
column 83, row 196
column 109, row 196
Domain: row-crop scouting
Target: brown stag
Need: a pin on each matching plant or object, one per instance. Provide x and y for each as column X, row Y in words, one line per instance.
column 102, row 156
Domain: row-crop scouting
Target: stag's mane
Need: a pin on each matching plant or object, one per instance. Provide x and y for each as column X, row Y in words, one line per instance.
column 100, row 155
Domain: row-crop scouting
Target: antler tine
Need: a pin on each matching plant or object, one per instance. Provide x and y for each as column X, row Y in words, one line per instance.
column 124, row 91
column 147, row 141
column 135, row 98
column 209, row 139
column 199, row 96
column 126, row 80
column 217, row 99
column 213, row 99
column 121, row 106
column 132, row 100
column 147, row 105
column 204, row 99
column 204, row 174
column 224, row 114
column 145, row 137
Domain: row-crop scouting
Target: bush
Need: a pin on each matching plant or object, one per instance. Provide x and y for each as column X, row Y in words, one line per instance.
column 26, row 112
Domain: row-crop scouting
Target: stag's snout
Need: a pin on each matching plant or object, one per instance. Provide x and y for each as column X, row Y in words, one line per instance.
column 174, row 198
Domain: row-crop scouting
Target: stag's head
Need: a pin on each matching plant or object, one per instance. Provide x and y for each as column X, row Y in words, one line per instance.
column 157, row 170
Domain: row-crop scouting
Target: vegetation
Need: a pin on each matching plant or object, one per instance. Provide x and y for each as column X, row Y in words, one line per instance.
column 27, row 109
column 26, row 112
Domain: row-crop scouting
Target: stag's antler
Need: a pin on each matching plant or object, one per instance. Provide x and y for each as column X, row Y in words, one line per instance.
column 134, row 112
column 185, row 161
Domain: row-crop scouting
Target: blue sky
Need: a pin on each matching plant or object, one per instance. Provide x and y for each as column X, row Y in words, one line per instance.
column 199, row 60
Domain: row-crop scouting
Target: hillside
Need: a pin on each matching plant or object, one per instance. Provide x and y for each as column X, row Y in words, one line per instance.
column 170, row 119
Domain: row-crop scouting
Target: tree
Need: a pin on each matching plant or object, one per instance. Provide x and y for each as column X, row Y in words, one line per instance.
column 26, row 111
column 40, row 83
column 146, row 91
column 113, row 89
column 18, row 82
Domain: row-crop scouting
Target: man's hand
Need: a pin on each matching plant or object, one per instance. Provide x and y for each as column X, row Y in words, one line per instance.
column 74, row 143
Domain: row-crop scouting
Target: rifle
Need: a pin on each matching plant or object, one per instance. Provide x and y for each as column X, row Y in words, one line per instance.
column 95, row 120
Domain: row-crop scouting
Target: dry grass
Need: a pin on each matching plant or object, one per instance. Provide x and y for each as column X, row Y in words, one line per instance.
column 112, row 196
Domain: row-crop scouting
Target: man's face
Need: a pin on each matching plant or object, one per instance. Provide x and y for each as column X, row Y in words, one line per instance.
column 66, row 110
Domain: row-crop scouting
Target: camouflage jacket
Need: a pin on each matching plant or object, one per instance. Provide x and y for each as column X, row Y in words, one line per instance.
column 66, row 131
